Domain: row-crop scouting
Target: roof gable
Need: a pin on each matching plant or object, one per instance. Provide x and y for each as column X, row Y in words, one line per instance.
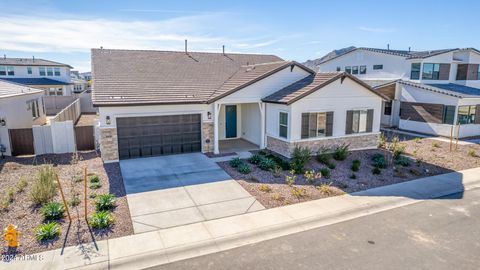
column 9, row 89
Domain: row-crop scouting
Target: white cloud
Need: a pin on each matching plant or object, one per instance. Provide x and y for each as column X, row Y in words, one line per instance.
column 376, row 29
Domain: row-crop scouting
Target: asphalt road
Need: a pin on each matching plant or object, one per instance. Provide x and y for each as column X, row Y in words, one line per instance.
column 435, row 234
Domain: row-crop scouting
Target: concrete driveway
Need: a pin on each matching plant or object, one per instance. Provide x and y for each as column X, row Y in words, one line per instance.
column 175, row 190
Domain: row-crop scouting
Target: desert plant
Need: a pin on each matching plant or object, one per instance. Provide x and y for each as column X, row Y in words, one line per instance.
column 356, row 165
column 104, row 202
column 299, row 192
column 280, row 162
column 376, row 170
column 93, row 195
column 353, row 176
column 379, row 161
column 325, row 189
column 255, row 159
column 95, row 185
column 472, row 153
column 265, row 188
column 78, row 179
column 266, row 164
column 53, row 211
column 415, row 172
column 94, row 179
column 75, row 201
column 262, row 152
column 435, row 145
column 290, row 179
column 4, row 204
column 324, row 155
column 44, row 187
column 235, row 162
column 253, row 178
column 403, row 161
column 417, row 140
column 10, row 194
column 276, row 171
column 277, row 197
column 382, row 141
column 102, row 220
column 22, row 184
column 311, row 176
column 332, row 166
column 48, row 231
column 341, row 152
column 244, row 168
column 300, row 158
column 325, row 172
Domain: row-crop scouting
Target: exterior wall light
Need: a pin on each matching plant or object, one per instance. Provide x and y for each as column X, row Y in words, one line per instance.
column 3, row 122
column 209, row 115
column 107, row 120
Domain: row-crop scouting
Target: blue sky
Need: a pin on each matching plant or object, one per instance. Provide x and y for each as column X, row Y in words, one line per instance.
column 65, row 31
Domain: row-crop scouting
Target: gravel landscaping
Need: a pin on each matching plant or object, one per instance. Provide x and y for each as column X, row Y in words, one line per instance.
column 419, row 158
column 22, row 211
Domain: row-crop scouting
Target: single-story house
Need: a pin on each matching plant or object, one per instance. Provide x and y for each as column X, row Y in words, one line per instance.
column 163, row 102
column 21, row 107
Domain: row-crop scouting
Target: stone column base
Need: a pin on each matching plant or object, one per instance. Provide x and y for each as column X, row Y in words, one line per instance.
column 109, row 144
column 207, row 137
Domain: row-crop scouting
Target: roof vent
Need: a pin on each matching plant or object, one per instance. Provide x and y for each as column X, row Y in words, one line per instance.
column 4, row 56
column 223, row 49
column 388, row 47
column 186, row 46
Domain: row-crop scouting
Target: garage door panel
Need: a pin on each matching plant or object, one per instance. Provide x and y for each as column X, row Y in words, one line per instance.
column 158, row 135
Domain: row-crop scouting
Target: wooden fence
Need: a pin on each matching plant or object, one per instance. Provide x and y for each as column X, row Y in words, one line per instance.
column 72, row 112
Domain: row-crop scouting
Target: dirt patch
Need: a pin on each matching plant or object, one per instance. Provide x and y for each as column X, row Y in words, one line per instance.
column 426, row 157
column 27, row 217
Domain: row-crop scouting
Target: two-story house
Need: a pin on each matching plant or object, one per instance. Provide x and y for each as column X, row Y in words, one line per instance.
column 429, row 92
column 52, row 77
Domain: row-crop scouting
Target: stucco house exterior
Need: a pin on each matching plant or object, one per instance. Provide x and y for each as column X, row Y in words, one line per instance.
column 50, row 76
column 433, row 92
column 21, row 107
column 163, row 102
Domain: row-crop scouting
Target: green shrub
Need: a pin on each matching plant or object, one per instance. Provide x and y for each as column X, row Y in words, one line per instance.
column 235, row 162
column 75, row 201
column 277, row 171
column 311, row 176
column 472, row 153
column 4, row 204
column 94, row 179
column 397, row 148
column 267, row 164
column 382, row 141
column 331, row 166
column 356, row 165
column 102, row 220
column 10, row 194
column 379, row 161
column 353, row 176
column 93, row 195
column 22, row 184
column 325, row 172
column 280, row 162
column 262, row 152
column 341, row 152
column 53, row 211
column 244, row 168
column 300, row 158
column 95, row 185
column 324, row 156
column 290, row 179
column 376, row 170
column 48, row 231
column 104, row 202
column 403, row 161
column 44, row 188
column 255, row 159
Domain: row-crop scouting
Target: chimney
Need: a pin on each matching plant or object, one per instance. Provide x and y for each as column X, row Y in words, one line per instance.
column 223, row 49
column 409, row 49
column 4, row 56
column 33, row 58
column 388, row 47
column 101, row 47
column 186, row 51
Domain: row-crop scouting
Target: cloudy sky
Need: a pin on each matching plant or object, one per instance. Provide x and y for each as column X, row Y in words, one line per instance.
column 65, row 31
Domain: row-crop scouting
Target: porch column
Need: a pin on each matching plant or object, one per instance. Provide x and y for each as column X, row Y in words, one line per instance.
column 216, row 114
column 261, row 106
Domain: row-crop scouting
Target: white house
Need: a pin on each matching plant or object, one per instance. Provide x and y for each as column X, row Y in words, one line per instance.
column 21, row 107
column 53, row 77
column 430, row 92
column 159, row 103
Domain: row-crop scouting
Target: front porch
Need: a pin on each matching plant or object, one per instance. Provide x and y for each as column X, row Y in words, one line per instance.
column 239, row 127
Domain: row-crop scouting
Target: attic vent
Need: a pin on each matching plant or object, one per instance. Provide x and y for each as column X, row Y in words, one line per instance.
column 250, row 69
column 189, row 96
column 116, row 97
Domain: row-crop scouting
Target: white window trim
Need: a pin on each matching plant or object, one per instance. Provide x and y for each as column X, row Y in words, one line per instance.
column 279, row 124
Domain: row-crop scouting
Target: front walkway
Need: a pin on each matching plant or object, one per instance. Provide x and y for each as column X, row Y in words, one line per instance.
column 174, row 244
column 169, row 191
column 236, row 145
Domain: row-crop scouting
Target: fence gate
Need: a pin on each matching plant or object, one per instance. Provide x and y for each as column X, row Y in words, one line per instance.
column 21, row 141
column 85, row 138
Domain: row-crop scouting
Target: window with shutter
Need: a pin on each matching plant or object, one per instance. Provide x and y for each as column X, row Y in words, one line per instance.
column 359, row 121
column 316, row 125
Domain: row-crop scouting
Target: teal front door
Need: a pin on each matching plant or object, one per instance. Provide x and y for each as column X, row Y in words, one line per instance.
column 231, row 121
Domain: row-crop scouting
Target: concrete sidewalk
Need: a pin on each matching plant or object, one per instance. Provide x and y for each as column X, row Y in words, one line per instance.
column 173, row 244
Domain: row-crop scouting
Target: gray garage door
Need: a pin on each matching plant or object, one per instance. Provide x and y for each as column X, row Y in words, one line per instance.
column 158, row 135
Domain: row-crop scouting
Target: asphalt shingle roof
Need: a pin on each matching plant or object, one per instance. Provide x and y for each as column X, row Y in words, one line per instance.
column 451, row 89
column 35, row 81
column 137, row 77
column 8, row 89
column 309, row 85
column 30, row 62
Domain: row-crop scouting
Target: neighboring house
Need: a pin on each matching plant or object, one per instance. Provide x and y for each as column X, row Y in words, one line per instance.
column 158, row 103
column 53, row 77
column 428, row 91
column 21, row 107
column 80, row 84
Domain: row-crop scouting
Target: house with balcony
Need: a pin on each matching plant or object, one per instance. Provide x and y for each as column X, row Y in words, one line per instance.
column 52, row 77
column 433, row 92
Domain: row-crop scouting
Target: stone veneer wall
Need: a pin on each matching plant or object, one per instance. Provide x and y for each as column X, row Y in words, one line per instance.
column 207, row 134
column 356, row 143
column 109, row 144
